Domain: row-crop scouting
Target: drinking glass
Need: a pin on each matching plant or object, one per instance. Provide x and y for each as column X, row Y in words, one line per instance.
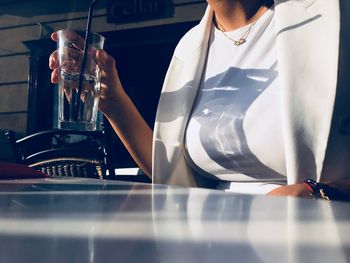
column 79, row 80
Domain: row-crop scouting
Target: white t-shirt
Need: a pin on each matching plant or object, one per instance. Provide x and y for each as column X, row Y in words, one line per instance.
column 234, row 132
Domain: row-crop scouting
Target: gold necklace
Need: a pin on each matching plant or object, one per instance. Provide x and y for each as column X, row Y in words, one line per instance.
column 242, row 39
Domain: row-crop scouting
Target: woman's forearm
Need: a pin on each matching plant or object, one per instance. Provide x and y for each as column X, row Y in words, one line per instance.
column 133, row 131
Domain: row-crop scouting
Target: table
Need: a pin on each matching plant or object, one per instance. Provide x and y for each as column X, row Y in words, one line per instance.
column 87, row 220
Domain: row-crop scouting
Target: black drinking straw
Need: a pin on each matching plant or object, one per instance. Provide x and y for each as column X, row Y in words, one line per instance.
column 83, row 63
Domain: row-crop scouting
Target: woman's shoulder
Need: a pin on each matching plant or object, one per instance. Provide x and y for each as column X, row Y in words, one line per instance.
column 188, row 41
column 196, row 36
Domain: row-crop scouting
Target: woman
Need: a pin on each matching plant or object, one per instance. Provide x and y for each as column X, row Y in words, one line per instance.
column 245, row 105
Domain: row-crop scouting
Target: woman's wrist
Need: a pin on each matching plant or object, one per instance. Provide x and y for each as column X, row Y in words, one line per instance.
column 112, row 104
column 297, row 190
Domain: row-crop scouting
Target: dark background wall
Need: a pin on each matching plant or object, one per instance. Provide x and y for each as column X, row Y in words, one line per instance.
column 27, row 20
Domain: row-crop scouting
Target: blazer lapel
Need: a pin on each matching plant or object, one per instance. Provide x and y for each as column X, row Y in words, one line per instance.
column 307, row 45
column 175, row 105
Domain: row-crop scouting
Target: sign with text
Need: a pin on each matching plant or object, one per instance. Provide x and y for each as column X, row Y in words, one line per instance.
column 122, row 11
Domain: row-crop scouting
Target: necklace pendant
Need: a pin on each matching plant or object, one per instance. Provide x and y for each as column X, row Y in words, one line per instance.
column 239, row 42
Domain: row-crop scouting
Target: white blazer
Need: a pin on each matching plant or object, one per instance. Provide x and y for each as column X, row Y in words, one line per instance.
column 311, row 35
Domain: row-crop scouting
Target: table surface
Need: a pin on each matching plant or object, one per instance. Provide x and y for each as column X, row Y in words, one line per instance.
column 87, row 220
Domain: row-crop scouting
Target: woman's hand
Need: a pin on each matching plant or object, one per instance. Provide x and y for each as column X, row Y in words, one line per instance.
column 297, row 190
column 339, row 190
column 111, row 88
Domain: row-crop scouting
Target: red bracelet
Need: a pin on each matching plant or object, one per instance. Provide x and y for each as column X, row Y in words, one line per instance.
column 308, row 187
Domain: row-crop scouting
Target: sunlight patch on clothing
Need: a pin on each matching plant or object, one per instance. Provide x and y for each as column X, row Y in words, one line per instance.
column 225, row 88
column 206, row 111
column 258, row 78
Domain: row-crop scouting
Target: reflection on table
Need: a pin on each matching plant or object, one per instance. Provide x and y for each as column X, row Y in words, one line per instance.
column 87, row 220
